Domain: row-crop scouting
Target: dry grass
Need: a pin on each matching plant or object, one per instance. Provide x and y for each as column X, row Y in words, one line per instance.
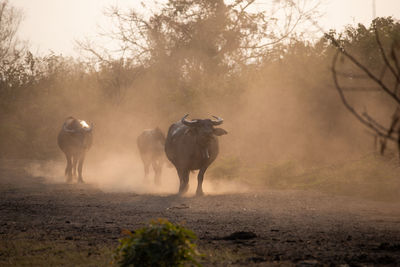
column 371, row 177
column 29, row 250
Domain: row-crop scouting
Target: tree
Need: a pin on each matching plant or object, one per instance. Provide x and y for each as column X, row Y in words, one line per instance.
column 370, row 56
column 10, row 19
column 13, row 59
column 212, row 26
column 194, row 49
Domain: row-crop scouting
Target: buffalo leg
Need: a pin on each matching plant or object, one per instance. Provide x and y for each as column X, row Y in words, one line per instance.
column 200, row 178
column 80, row 179
column 157, row 171
column 74, row 161
column 68, row 169
column 184, row 181
column 146, row 166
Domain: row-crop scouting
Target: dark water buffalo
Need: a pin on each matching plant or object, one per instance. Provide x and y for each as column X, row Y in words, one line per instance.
column 75, row 139
column 151, row 147
column 192, row 145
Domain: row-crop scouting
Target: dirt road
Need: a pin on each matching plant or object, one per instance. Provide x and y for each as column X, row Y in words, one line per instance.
column 290, row 227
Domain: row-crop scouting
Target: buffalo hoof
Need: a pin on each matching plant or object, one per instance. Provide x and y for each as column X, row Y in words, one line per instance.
column 199, row 193
column 183, row 189
column 182, row 192
column 80, row 181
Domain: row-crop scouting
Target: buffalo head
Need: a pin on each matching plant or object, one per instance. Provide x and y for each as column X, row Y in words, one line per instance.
column 204, row 129
column 72, row 125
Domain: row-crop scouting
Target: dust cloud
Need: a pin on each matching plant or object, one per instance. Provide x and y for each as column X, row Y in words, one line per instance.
column 272, row 121
column 276, row 138
column 124, row 173
column 282, row 112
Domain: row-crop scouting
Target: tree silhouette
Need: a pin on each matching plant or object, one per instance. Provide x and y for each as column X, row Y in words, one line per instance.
column 370, row 55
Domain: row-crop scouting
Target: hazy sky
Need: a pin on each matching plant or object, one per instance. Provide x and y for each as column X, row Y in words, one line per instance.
column 55, row 24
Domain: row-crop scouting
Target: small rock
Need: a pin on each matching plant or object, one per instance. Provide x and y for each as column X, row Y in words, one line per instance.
column 182, row 206
column 240, row 235
column 308, row 263
column 256, row 259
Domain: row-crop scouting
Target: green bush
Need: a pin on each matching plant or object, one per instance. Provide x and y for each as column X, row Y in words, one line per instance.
column 279, row 174
column 226, row 168
column 161, row 243
column 371, row 177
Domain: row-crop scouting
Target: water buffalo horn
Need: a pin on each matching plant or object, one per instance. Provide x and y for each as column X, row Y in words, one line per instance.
column 186, row 122
column 218, row 121
column 90, row 128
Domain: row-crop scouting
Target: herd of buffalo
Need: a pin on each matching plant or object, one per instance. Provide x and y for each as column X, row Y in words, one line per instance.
column 189, row 145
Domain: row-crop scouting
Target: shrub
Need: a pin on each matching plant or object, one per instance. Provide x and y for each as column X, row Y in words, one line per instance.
column 279, row 174
column 161, row 243
column 226, row 168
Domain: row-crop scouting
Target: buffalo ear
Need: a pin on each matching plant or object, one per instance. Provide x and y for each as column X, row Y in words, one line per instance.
column 219, row 131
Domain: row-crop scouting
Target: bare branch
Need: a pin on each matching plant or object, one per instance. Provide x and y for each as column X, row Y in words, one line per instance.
column 362, row 89
column 395, row 120
column 396, row 63
column 363, row 68
column 374, row 122
column 378, row 129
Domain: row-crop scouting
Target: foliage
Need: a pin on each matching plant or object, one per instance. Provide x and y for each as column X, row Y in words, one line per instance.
column 370, row 177
column 161, row 243
column 39, row 91
column 365, row 43
column 215, row 29
column 13, row 63
column 277, row 174
column 368, row 60
column 194, row 51
column 226, row 168
column 10, row 45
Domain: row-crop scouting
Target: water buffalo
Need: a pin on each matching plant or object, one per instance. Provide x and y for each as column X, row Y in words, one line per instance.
column 75, row 139
column 192, row 145
column 151, row 147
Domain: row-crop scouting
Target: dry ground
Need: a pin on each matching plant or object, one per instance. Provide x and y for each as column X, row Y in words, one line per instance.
column 53, row 223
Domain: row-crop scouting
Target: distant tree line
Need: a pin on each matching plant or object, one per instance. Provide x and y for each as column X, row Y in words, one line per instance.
column 200, row 57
